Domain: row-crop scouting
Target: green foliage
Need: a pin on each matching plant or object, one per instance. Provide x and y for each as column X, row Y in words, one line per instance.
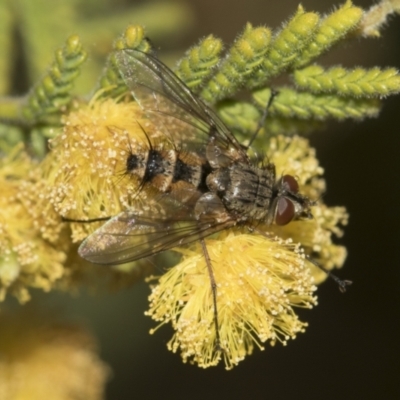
column 6, row 45
column 256, row 58
column 287, row 46
column 111, row 81
column 319, row 94
column 243, row 59
column 199, row 62
column 42, row 25
column 330, row 30
column 292, row 126
column 10, row 136
column 52, row 94
column 243, row 117
column 303, row 105
column 377, row 17
column 358, row 82
column 240, row 116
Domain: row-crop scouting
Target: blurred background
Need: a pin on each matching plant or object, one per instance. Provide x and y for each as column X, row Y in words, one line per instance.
column 350, row 349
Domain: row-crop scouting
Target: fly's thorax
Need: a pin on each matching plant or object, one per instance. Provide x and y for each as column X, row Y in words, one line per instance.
column 245, row 190
column 168, row 169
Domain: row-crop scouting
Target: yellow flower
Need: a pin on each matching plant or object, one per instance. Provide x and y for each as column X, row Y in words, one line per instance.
column 83, row 176
column 86, row 168
column 86, row 178
column 43, row 359
column 27, row 259
column 259, row 282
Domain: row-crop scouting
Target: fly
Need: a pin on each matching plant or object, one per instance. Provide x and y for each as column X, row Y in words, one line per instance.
column 205, row 179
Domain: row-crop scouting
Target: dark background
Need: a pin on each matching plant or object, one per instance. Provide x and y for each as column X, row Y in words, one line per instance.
column 351, row 348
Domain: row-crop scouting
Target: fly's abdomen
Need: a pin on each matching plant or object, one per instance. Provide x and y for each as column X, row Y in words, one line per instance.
column 169, row 170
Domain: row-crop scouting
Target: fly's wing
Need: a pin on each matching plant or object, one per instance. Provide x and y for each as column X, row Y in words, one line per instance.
column 133, row 235
column 171, row 104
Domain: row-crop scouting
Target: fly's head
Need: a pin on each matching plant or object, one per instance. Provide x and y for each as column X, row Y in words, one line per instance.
column 288, row 204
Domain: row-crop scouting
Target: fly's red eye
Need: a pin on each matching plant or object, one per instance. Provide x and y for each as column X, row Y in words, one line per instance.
column 284, row 211
column 290, row 183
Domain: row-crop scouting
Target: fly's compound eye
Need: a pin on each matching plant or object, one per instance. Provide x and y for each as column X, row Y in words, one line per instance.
column 290, row 183
column 285, row 210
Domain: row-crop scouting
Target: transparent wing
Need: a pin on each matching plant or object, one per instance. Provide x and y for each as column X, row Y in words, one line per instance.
column 133, row 235
column 171, row 104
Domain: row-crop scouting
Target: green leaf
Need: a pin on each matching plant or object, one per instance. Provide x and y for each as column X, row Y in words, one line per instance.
column 358, row 82
column 289, row 103
column 199, row 62
column 52, row 94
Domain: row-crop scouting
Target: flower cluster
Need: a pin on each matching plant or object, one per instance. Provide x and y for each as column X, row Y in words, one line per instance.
column 259, row 282
column 53, row 199
column 260, row 279
column 28, row 259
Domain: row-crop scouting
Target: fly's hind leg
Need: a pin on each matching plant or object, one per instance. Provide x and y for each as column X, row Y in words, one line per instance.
column 210, row 208
column 213, row 283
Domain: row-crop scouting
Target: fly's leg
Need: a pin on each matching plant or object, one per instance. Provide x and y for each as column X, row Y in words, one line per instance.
column 341, row 283
column 261, row 123
column 214, row 294
column 209, row 206
column 85, row 221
